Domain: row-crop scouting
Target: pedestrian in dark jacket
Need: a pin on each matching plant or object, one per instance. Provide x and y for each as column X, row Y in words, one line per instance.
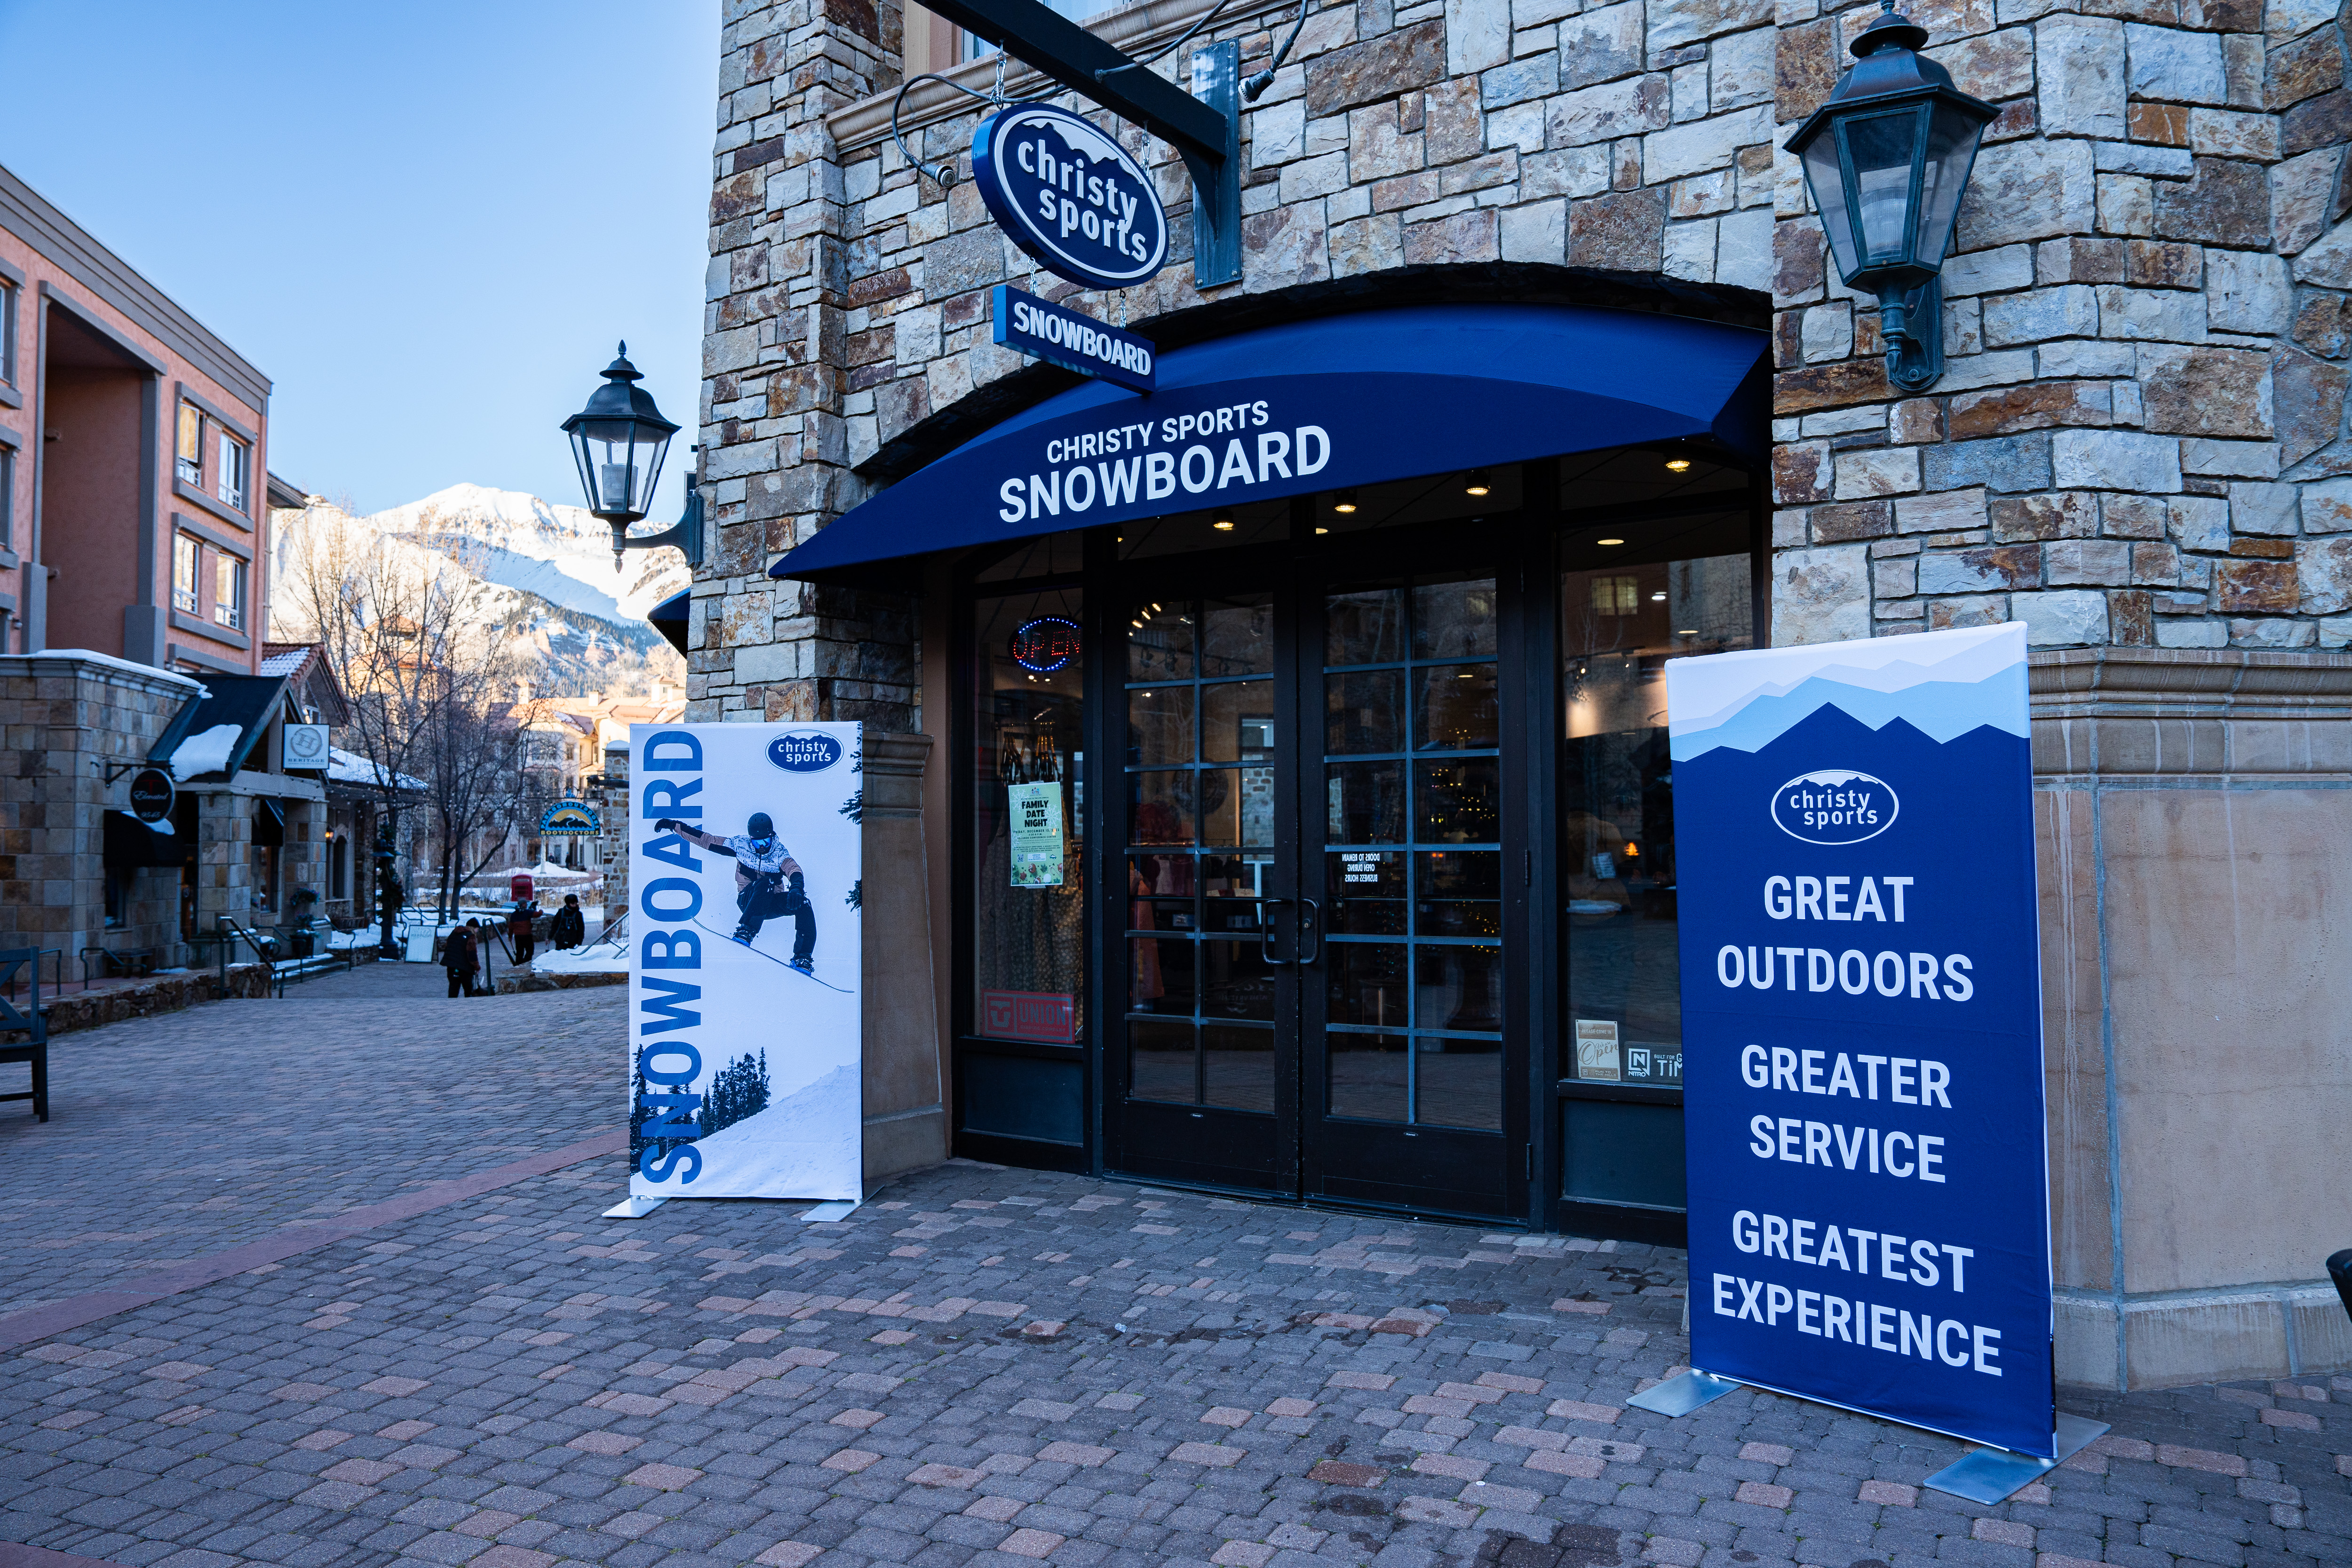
column 519, row 929
column 458, row 956
column 570, row 927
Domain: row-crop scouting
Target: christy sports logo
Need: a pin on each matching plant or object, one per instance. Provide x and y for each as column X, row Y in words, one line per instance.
column 805, row 752
column 1835, row 805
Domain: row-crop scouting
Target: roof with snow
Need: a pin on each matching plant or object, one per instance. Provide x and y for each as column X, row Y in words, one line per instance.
column 349, row 767
column 240, row 705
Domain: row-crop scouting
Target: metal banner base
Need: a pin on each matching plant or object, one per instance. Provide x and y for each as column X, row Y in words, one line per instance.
column 1681, row 1395
column 839, row 1208
column 1992, row 1475
column 633, row 1208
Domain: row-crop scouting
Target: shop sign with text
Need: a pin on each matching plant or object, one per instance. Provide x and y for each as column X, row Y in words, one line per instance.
column 1070, row 195
column 1861, row 1021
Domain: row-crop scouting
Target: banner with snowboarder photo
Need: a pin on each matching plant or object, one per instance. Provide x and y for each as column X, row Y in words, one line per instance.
column 744, row 915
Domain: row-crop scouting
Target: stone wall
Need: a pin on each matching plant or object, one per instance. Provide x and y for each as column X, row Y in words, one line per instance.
column 2138, row 439
column 66, row 722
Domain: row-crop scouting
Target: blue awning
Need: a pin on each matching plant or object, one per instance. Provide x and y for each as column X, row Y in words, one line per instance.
column 1312, row 406
column 668, row 618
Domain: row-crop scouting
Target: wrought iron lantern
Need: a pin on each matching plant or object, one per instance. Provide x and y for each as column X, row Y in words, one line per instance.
column 618, row 441
column 1886, row 157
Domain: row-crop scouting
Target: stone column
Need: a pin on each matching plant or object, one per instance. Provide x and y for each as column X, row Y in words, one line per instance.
column 2195, row 815
column 906, row 1070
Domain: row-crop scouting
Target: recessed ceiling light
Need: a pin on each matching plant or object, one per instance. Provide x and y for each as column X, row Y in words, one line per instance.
column 1609, row 542
column 1223, row 525
column 1479, row 483
column 1677, row 465
column 1320, row 529
column 1343, row 502
column 1657, row 598
column 1687, row 632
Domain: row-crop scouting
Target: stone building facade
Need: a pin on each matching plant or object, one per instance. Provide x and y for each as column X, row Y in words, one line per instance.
column 2137, row 448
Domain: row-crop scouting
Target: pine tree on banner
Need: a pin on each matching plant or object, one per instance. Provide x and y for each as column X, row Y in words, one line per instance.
column 739, row 1090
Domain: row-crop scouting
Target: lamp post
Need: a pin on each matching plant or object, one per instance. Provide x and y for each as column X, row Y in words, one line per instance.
column 619, row 441
column 1886, row 157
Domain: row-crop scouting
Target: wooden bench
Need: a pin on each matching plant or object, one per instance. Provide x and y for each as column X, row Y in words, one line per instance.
column 32, row 1021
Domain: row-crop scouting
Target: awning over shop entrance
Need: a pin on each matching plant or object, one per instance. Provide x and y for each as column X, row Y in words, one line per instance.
column 1313, row 406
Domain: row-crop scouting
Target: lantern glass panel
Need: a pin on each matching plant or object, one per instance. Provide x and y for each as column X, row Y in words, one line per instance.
column 1951, row 148
column 1828, row 183
column 1884, row 149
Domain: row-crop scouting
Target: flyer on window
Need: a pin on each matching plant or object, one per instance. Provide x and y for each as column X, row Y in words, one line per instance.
column 1036, row 834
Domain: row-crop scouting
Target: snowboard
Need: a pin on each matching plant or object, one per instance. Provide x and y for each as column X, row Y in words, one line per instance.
column 772, row 958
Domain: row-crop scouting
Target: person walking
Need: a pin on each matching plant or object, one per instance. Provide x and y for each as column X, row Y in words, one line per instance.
column 568, row 929
column 458, row 956
column 520, row 931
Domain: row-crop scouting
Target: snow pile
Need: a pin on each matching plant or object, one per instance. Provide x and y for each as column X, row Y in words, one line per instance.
column 205, row 753
column 583, row 960
column 349, row 767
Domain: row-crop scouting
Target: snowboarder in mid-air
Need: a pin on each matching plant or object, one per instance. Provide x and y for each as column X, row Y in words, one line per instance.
column 768, row 882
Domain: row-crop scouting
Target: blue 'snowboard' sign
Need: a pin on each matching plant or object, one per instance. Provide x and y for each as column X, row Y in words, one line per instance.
column 1862, row 1022
column 1072, row 339
column 1069, row 196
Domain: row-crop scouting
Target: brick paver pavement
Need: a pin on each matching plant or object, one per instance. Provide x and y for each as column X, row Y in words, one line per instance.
column 996, row 1369
column 184, row 1133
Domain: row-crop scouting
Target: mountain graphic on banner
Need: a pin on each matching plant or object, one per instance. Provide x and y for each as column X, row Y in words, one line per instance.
column 1946, row 683
column 1941, row 710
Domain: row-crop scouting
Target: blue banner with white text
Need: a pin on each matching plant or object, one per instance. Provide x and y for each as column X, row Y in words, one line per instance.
column 1862, row 1025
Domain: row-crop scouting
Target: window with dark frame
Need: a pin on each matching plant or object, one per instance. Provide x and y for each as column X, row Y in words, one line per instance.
column 8, row 332
column 190, row 466
column 7, row 497
column 183, row 573
column 229, row 591
column 229, row 483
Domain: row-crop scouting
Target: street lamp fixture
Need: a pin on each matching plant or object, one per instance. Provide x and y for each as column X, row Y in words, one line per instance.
column 1886, row 157
column 619, row 441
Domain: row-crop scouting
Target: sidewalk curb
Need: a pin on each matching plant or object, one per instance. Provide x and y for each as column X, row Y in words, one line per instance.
column 58, row 1317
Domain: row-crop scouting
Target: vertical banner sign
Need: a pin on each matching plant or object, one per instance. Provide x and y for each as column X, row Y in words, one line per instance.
column 744, row 1025
column 1861, row 1010
column 1037, row 810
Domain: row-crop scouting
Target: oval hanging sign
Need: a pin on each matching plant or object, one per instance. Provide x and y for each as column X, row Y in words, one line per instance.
column 1070, row 195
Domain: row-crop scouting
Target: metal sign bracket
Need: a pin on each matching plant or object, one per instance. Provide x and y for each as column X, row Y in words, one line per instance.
column 1203, row 125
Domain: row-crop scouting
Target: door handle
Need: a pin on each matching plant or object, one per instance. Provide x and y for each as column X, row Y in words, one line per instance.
column 1266, row 934
column 1311, row 920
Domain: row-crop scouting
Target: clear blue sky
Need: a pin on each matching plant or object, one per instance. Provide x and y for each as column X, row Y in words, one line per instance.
column 428, row 223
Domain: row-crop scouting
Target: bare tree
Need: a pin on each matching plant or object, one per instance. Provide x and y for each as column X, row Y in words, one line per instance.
column 393, row 621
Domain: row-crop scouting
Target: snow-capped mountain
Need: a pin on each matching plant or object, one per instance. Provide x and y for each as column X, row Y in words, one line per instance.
column 544, row 571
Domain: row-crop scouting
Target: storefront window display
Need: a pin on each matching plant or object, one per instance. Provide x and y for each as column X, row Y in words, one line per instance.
column 1029, row 801
column 1619, row 625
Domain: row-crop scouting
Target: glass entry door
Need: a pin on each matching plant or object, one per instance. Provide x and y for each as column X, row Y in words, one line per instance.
column 1316, row 937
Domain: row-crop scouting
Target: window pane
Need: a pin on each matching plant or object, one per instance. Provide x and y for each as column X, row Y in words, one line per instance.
column 1457, row 987
column 1160, row 724
column 1454, row 620
column 1366, row 626
column 1367, row 1076
column 1617, row 850
column 1365, row 802
column 1235, row 981
column 1460, row 892
column 1368, row 985
column 1159, row 808
column 192, row 435
column 1160, row 642
column 1365, row 891
column 1237, row 1066
column 1028, row 941
column 1883, row 147
column 1458, row 802
column 1455, row 708
column 1237, row 636
column 1237, row 721
column 1364, row 711
column 1159, row 1061
column 1458, row 1083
